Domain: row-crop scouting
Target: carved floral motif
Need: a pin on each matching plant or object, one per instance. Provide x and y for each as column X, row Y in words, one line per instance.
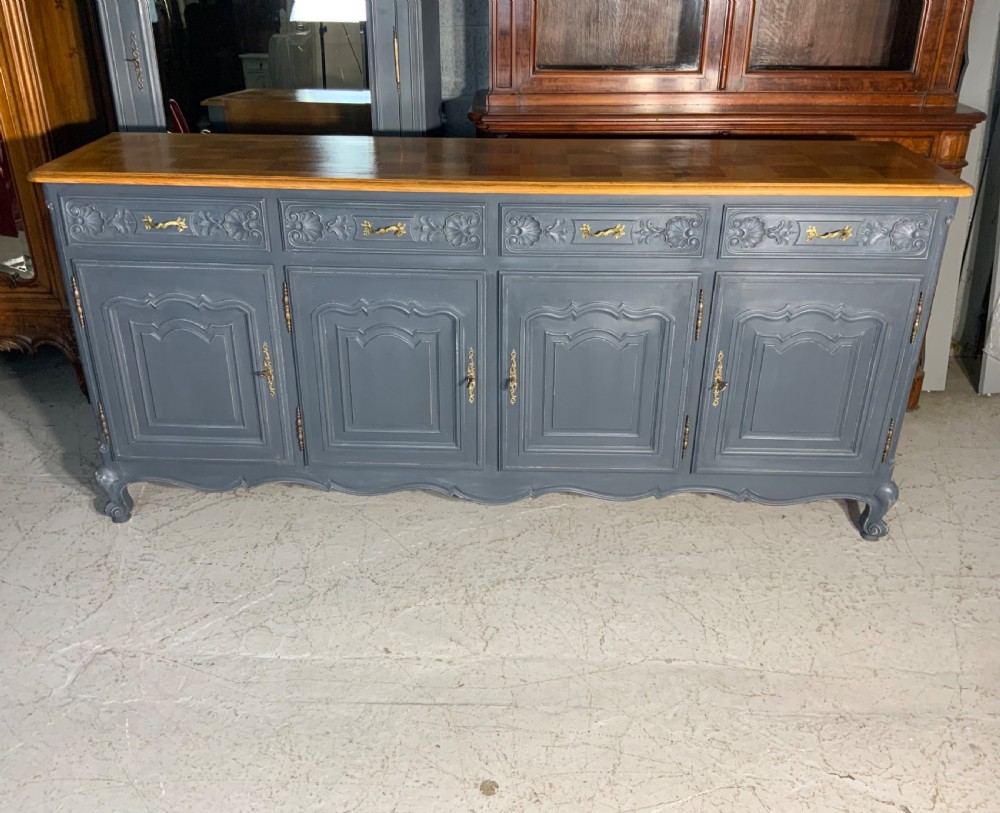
column 239, row 223
column 459, row 229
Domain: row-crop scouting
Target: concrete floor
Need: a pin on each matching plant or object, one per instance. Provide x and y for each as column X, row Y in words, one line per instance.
column 291, row 650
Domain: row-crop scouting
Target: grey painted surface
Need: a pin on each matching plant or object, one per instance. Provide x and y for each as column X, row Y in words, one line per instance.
column 133, row 71
column 611, row 364
column 412, row 105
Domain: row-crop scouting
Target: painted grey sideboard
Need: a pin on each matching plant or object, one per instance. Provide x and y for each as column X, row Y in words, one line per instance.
column 501, row 319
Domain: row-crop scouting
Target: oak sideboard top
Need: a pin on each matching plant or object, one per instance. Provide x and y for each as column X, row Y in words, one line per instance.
column 519, row 166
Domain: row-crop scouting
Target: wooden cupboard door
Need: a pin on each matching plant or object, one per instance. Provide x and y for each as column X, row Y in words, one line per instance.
column 188, row 360
column 845, row 46
column 610, row 46
column 595, row 370
column 802, row 371
column 392, row 353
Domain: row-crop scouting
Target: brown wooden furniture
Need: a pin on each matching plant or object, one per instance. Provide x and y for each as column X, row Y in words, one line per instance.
column 870, row 69
column 51, row 101
column 875, row 70
column 292, row 112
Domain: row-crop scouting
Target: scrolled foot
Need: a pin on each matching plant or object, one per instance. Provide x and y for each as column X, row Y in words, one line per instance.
column 119, row 506
column 873, row 524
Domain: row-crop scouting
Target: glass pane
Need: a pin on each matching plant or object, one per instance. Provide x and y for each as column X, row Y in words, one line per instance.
column 14, row 258
column 835, row 34
column 638, row 35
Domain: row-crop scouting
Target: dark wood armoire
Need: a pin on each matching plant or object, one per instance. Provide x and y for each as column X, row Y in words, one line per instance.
column 877, row 70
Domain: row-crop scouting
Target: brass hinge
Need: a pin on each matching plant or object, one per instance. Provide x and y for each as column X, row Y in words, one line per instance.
column 78, row 301
column 395, row 54
column 917, row 318
column 104, row 422
column 701, row 314
column 888, row 440
column 288, row 308
column 687, row 436
column 298, row 429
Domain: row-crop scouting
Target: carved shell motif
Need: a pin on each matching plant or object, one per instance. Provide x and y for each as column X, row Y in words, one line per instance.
column 460, row 229
column 745, row 232
column 89, row 221
column 522, row 231
column 679, row 232
column 308, row 227
column 906, row 235
column 241, row 224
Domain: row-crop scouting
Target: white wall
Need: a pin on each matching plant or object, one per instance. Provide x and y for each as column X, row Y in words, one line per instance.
column 976, row 91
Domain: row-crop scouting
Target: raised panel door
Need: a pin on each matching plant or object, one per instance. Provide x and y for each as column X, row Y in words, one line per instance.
column 396, row 357
column 595, row 369
column 801, row 370
column 186, row 360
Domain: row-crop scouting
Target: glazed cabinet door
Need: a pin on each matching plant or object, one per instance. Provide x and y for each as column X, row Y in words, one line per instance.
column 803, row 371
column 595, row 368
column 186, row 358
column 395, row 361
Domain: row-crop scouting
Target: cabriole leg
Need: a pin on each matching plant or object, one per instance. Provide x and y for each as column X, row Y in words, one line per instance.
column 120, row 505
column 873, row 525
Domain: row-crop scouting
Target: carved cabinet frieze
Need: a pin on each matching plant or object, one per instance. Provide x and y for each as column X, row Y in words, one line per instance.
column 394, row 228
column 818, row 232
column 555, row 230
column 177, row 222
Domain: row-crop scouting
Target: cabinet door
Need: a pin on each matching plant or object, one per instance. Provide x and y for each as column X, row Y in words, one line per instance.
column 810, row 364
column 600, row 363
column 838, row 45
column 390, row 357
column 177, row 350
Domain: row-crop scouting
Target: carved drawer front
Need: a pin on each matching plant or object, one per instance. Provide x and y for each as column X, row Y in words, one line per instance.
column 165, row 221
column 396, row 228
column 588, row 230
column 902, row 234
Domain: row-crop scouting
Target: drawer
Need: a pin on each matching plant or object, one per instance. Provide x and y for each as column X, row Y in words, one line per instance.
column 173, row 222
column 394, row 228
column 588, row 230
column 842, row 231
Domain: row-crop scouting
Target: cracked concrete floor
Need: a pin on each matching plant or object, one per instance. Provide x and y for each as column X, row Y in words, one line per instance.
column 291, row 650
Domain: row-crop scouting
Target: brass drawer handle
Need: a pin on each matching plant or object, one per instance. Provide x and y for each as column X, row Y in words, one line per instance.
column 616, row 231
column 399, row 229
column 470, row 373
column 180, row 224
column 718, row 383
column 846, row 233
column 512, row 378
column 268, row 372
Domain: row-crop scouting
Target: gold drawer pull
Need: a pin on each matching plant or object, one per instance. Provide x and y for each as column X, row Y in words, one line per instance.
column 180, row 224
column 399, row 229
column 268, row 372
column 846, row 233
column 718, row 383
column 512, row 378
column 616, row 231
column 470, row 373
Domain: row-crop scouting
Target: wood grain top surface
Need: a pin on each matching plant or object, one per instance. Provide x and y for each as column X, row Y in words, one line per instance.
column 506, row 166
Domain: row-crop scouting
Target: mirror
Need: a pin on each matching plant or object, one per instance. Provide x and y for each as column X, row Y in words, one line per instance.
column 262, row 65
column 15, row 260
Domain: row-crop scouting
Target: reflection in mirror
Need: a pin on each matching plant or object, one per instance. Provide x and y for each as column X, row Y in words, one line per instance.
column 15, row 261
column 207, row 49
